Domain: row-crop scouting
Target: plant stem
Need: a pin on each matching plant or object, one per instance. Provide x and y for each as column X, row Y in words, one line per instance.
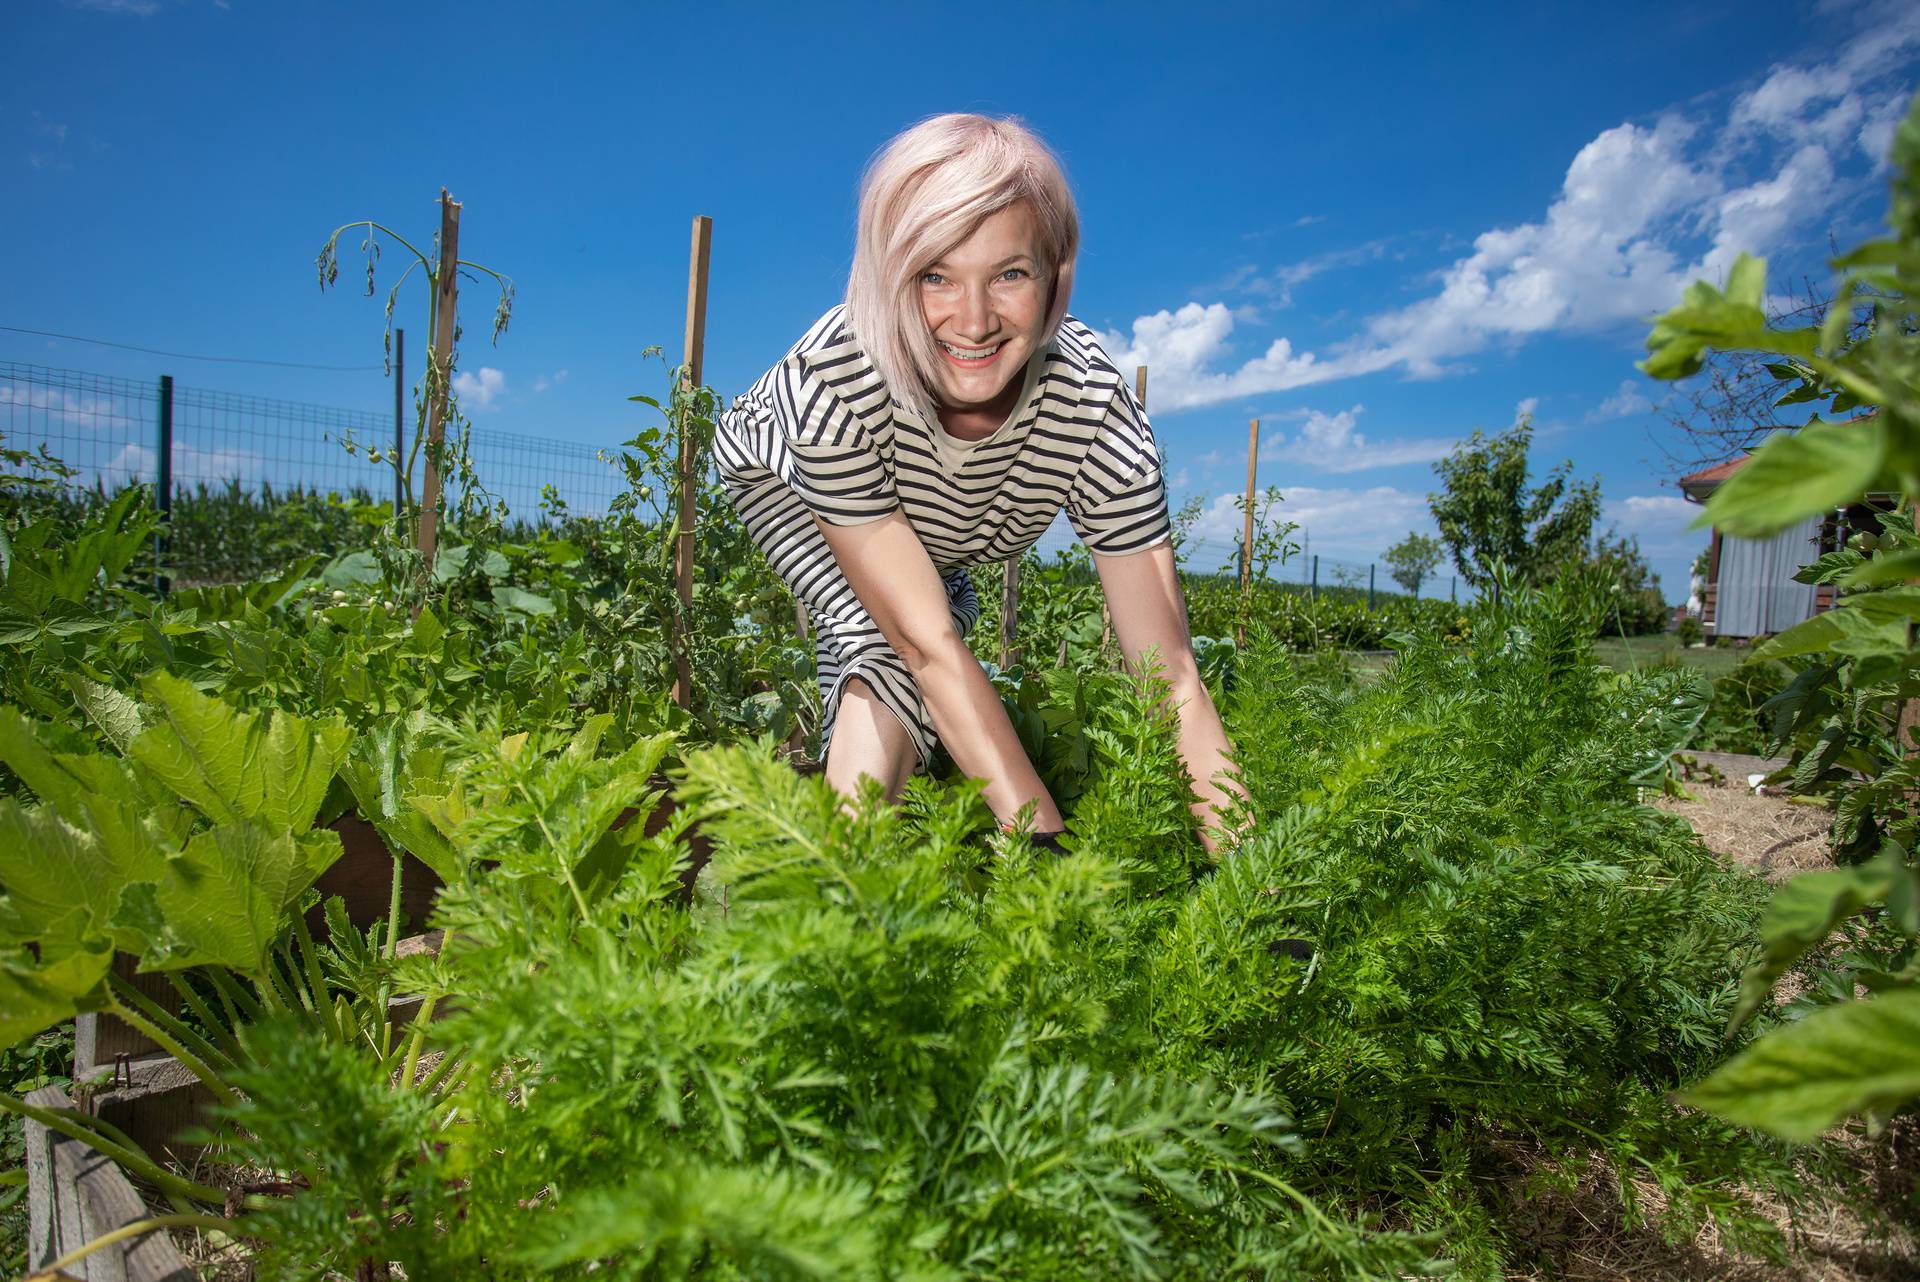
column 200, row 1047
column 135, row 1161
column 138, row 1228
column 191, row 1062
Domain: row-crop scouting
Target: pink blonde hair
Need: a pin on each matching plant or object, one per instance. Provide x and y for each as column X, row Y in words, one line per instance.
column 923, row 194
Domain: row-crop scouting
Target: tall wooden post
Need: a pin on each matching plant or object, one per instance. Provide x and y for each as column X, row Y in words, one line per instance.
column 1009, row 608
column 689, row 455
column 1246, row 535
column 399, row 418
column 446, row 290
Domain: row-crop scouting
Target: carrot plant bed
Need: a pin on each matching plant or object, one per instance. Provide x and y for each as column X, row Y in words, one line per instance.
column 903, row 1044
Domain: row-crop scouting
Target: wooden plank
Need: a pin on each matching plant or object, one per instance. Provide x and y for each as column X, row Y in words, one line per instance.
column 683, row 547
column 75, row 1195
column 100, row 1038
column 446, row 288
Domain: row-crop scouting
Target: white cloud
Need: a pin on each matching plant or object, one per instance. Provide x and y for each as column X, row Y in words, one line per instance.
column 479, row 390
column 1181, row 348
column 1659, row 522
column 1625, row 402
column 546, row 381
column 1330, row 443
column 1342, row 524
column 191, row 465
column 65, row 407
column 1643, row 211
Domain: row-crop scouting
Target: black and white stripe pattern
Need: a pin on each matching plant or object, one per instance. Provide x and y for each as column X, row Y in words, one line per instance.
column 820, row 433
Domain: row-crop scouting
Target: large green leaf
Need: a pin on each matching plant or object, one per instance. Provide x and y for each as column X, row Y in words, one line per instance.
column 383, row 768
column 231, row 765
column 1796, row 474
column 51, row 867
column 224, row 899
column 1842, row 630
column 1801, row 1079
column 1901, row 603
column 36, row 996
column 1805, row 910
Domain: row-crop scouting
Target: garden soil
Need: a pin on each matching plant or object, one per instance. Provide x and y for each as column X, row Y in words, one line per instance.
column 1587, row 1236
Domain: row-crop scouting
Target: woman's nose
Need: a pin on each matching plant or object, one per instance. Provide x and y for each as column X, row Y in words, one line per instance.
column 976, row 313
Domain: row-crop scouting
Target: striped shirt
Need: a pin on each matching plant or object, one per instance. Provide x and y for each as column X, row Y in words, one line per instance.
column 820, row 435
column 823, row 424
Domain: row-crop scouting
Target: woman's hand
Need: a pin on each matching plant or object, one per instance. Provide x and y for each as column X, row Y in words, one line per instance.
column 1150, row 620
column 895, row 579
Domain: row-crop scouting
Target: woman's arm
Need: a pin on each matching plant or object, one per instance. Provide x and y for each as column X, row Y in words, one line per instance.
column 893, row 576
column 1150, row 613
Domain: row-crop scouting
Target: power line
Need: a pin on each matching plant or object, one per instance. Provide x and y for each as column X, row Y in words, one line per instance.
column 186, row 356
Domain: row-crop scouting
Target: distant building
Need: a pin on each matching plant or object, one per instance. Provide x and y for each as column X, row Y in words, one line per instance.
column 1748, row 589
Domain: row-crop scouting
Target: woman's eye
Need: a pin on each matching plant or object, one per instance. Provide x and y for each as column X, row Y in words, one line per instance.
column 930, row 278
column 1014, row 271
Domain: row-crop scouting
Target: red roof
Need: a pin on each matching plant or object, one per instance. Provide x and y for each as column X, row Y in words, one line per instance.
column 1698, row 485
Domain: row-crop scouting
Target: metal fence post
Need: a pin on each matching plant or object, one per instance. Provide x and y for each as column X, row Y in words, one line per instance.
column 399, row 414
column 1313, row 587
column 163, row 485
column 1453, row 591
column 1369, row 587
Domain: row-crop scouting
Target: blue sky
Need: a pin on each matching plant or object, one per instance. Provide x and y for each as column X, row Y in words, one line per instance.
column 1375, row 227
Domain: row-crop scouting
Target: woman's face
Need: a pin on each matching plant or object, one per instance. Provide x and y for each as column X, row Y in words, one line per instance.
column 986, row 303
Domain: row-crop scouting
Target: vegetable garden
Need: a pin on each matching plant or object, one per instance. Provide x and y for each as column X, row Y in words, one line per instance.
column 672, row 1011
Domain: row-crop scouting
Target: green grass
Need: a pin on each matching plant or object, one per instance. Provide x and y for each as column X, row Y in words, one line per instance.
column 1631, row 652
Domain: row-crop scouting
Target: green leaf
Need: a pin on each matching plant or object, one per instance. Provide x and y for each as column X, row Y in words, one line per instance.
column 224, row 899
column 1747, row 282
column 231, row 765
column 511, row 598
column 35, row 997
column 1899, row 603
column 1842, row 630
column 1828, row 567
column 1804, row 911
column 1797, row 474
column 353, row 568
column 1884, row 568
column 120, row 718
column 1799, row 1080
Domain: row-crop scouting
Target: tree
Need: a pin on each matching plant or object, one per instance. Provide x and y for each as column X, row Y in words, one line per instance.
column 1412, row 559
column 1638, row 608
column 1488, row 516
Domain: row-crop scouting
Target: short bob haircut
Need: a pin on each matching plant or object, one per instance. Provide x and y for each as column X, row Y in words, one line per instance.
column 924, row 193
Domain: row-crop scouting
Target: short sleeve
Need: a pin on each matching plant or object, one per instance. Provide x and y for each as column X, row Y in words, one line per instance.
column 833, row 464
column 1119, row 502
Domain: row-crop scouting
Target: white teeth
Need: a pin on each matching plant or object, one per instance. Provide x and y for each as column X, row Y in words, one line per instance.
column 972, row 353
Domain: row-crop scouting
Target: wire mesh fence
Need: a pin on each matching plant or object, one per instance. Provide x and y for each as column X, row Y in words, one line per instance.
column 110, row 430
column 1309, row 570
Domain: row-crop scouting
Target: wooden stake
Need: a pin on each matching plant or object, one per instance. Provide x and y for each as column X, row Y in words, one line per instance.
column 1246, row 537
column 1009, row 608
column 446, row 288
column 689, row 498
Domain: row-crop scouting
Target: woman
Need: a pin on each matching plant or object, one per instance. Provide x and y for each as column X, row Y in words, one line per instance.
column 940, row 417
